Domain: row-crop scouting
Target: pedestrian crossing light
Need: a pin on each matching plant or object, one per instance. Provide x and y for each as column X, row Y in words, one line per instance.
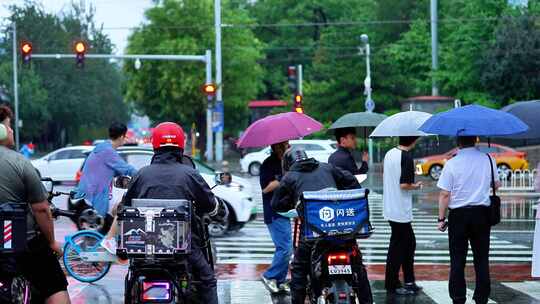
column 209, row 89
column 26, row 52
column 80, row 51
column 298, row 103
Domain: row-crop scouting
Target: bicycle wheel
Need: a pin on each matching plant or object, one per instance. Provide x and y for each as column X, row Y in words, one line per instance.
column 88, row 272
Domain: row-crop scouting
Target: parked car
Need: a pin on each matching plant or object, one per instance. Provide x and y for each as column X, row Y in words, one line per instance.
column 62, row 165
column 507, row 160
column 318, row 149
column 237, row 195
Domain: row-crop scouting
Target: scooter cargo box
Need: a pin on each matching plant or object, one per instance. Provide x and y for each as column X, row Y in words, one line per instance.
column 161, row 228
column 336, row 213
column 13, row 227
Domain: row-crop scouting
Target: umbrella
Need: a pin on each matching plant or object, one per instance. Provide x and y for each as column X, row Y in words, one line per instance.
column 358, row 120
column 529, row 113
column 474, row 120
column 402, row 124
column 277, row 128
column 362, row 121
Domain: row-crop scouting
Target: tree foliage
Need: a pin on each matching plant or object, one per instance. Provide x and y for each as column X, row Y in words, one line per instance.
column 171, row 90
column 60, row 103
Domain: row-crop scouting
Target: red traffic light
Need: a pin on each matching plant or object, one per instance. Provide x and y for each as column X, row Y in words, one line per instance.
column 26, row 51
column 26, row 48
column 80, row 47
column 209, row 89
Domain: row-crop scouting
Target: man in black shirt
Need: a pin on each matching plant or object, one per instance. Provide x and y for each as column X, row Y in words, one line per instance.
column 343, row 158
column 278, row 226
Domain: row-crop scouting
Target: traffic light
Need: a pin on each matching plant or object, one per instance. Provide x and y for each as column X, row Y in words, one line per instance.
column 26, row 52
column 80, row 51
column 293, row 78
column 209, row 89
column 298, row 103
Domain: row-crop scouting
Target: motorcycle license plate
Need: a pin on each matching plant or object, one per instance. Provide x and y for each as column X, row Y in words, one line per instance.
column 339, row 269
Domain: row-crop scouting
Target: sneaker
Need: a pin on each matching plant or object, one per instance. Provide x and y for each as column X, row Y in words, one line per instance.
column 413, row 287
column 285, row 287
column 270, row 284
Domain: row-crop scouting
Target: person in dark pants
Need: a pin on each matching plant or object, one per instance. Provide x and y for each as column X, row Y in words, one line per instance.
column 274, row 278
column 397, row 201
column 307, row 174
column 343, row 158
column 465, row 188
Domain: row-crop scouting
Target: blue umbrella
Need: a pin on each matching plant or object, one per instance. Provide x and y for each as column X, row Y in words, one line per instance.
column 474, row 120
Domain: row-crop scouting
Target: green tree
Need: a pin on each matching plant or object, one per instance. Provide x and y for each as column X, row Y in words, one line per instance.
column 60, row 102
column 171, row 90
column 512, row 61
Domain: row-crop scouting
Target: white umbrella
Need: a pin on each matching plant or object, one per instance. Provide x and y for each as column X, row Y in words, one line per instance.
column 402, row 124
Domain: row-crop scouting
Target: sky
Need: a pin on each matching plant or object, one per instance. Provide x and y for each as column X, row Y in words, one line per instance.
column 116, row 16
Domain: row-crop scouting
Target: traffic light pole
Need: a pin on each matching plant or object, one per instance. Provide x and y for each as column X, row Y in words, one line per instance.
column 219, row 95
column 206, row 58
column 15, row 87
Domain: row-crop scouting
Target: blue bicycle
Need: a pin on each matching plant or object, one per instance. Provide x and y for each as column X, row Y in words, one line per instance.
column 84, row 258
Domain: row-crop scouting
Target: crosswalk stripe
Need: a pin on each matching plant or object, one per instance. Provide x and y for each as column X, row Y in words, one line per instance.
column 532, row 289
column 254, row 246
column 438, row 292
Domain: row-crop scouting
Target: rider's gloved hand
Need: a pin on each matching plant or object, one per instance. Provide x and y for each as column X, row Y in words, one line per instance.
column 222, row 213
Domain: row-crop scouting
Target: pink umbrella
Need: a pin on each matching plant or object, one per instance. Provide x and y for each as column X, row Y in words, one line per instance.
column 277, row 128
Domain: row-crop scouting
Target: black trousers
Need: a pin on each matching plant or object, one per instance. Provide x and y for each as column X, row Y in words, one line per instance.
column 301, row 269
column 400, row 255
column 203, row 272
column 469, row 225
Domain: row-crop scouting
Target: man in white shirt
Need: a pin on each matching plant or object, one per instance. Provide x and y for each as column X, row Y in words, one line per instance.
column 398, row 181
column 465, row 188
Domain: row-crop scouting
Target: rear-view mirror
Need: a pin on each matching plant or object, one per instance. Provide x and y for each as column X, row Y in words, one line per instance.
column 47, row 184
column 122, row 182
column 223, row 178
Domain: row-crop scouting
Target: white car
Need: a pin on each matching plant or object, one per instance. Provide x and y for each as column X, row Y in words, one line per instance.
column 62, row 165
column 318, row 149
column 238, row 194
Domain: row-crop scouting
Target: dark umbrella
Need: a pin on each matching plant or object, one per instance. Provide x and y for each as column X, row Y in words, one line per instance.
column 364, row 122
column 529, row 113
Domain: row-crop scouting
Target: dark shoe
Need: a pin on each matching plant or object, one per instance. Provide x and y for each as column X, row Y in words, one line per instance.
column 270, row 284
column 401, row 292
column 413, row 287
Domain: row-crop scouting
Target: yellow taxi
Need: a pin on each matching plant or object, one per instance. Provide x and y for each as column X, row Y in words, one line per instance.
column 507, row 159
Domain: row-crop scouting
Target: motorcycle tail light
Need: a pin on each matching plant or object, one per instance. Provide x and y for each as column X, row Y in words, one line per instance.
column 342, row 296
column 338, row 258
column 156, row 291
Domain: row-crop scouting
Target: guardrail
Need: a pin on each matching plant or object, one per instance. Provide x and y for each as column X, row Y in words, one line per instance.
column 519, row 180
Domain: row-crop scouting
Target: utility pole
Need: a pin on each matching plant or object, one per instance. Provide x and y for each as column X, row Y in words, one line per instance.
column 15, row 87
column 219, row 96
column 434, row 47
column 369, row 104
column 209, row 133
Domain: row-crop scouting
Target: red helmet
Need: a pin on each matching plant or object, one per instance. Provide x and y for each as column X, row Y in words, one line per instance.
column 168, row 134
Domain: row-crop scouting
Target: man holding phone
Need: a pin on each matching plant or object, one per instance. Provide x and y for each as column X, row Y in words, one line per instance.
column 465, row 185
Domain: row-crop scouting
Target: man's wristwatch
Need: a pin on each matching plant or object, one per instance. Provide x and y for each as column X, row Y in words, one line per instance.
column 441, row 220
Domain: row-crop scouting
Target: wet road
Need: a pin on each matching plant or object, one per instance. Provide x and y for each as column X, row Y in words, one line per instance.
column 244, row 255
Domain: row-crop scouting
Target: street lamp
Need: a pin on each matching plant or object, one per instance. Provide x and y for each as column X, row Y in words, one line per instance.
column 369, row 104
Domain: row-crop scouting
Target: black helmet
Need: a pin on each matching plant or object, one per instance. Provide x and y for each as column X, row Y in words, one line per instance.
column 293, row 155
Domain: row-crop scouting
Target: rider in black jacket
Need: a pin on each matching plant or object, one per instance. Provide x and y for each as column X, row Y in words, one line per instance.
column 168, row 178
column 307, row 174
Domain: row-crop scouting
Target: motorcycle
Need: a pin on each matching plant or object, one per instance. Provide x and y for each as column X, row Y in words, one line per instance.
column 336, row 260
column 155, row 236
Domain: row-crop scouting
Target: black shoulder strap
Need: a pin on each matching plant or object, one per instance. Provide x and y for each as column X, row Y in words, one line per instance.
column 492, row 175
